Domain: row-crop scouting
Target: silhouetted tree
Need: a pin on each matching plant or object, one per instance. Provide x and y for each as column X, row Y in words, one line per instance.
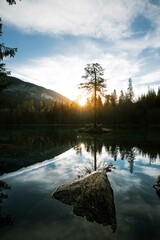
column 107, row 99
column 95, row 83
column 113, row 98
column 130, row 93
column 5, row 52
column 121, row 97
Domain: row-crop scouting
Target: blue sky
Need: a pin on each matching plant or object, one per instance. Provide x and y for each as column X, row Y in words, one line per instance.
column 57, row 38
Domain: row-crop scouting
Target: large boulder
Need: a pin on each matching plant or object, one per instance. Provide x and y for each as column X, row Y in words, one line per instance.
column 91, row 197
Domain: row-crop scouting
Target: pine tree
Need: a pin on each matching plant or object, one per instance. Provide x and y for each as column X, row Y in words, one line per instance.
column 5, row 52
column 121, row 97
column 130, row 93
column 113, row 98
column 95, row 83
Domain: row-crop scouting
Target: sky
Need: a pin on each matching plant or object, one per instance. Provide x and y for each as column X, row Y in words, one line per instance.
column 56, row 39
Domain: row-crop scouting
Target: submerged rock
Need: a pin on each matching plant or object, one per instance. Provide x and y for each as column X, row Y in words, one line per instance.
column 91, row 197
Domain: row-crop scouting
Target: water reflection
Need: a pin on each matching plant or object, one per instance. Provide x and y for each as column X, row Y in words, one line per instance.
column 91, row 196
column 100, row 145
column 157, row 186
column 5, row 220
column 37, row 216
column 22, row 147
column 94, row 147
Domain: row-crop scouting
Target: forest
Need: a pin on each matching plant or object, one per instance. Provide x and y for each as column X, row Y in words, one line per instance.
column 111, row 110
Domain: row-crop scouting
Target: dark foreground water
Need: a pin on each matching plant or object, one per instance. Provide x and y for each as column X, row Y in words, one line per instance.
column 61, row 156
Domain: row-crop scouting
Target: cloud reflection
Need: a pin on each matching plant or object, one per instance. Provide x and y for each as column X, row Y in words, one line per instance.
column 137, row 205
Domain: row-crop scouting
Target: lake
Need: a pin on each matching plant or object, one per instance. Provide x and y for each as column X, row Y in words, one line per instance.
column 35, row 161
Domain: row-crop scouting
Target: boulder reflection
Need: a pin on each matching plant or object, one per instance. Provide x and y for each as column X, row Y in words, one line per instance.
column 91, row 196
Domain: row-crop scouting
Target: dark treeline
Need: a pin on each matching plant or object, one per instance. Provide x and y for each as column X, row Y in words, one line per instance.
column 124, row 110
column 114, row 110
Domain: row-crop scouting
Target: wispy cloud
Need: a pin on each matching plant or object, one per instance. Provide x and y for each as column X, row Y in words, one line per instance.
column 101, row 19
column 148, row 80
column 107, row 32
column 57, row 72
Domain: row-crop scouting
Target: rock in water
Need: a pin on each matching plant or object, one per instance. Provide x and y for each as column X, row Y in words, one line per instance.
column 91, row 197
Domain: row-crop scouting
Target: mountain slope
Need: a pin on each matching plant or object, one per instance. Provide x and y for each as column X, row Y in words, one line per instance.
column 17, row 91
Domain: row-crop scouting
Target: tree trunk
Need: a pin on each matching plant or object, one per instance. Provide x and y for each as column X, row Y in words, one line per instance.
column 95, row 154
column 95, row 100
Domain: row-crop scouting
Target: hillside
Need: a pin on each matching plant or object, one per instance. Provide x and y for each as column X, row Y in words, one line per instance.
column 16, row 92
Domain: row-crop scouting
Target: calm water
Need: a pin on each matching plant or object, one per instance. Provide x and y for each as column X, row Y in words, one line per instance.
column 61, row 156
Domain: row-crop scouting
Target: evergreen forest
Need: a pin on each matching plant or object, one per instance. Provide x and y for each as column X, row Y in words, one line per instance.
column 111, row 110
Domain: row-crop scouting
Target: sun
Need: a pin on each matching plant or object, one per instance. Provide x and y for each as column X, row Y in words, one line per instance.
column 82, row 101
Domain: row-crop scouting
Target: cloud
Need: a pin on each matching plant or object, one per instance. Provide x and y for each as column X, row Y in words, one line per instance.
column 57, row 72
column 103, row 32
column 149, row 171
column 60, row 73
column 100, row 19
column 143, row 83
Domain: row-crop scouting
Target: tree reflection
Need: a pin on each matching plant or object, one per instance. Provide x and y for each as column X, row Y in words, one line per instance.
column 92, row 145
column 96, row 145
column 95, row 154
column 5, row 220
column 88, row 197
column 92, row 195
column 157, row 186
